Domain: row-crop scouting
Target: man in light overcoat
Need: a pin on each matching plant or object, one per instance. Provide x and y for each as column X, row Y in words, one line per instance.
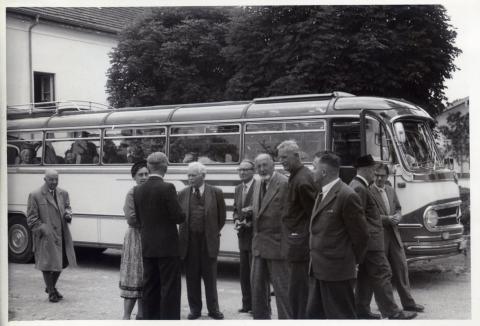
column 48, row 215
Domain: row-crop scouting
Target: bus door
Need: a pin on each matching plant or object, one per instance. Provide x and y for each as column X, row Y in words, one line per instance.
column 376, row 140
column 345, row 142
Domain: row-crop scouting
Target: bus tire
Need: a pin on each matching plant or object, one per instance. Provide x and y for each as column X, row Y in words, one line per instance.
column 20, row 245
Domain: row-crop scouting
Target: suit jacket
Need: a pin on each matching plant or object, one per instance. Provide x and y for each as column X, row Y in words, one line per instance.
column 215, row 215
column 390, row 230
column 245, row 234
column 374, row 221
column 338, row 235
column 268, row 231
column 46, row 219
column 159, row 213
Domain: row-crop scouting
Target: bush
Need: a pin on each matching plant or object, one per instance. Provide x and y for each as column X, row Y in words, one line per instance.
column 465, row 207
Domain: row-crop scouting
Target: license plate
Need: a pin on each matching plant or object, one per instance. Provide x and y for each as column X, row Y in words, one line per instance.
column 462, row 245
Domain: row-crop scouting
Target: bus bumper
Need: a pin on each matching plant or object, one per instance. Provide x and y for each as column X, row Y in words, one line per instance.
column 416, row 251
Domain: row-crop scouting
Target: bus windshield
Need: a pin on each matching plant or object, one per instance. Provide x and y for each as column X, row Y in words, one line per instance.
column 417, row 146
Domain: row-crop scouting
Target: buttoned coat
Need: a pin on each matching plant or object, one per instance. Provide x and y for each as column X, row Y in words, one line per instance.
column 390, row 230
column 46, row 220
column 338, row 235
column 374, row 221
column 268, row 230
column 245, row 234
column 215, row 215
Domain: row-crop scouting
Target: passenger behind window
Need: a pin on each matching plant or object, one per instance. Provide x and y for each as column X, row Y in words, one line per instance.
column 189, row 157
column 27, row 156
column 70, row 157
column 110, row 153
column 84, row 150
column 135, row 153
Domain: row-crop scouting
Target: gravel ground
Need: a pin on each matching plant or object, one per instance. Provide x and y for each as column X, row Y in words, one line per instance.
column 91, row 290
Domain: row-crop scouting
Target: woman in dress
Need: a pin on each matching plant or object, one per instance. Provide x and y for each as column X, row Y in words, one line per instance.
column 131, row 266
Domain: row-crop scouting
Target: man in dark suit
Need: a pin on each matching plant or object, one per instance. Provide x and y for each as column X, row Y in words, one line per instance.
column 242, row 216
column 268, row 265
column 338, row 242
column 159, row 213
column 301, row 198
column 391, row 213
column 374, row 271
column 200, row 240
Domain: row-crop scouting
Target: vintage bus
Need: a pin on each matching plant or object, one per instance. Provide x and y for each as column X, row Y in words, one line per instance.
column 93, row 148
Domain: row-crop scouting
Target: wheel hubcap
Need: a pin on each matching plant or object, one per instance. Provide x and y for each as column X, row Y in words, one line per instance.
column 17, row 238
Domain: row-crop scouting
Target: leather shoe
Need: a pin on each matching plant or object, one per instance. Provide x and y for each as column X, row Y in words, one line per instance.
column 59, row 295
column 194, row 315
column 415, row 307
column 52, row 297
column 216, row 315
column 404, row 315
column 244, row 310
column 368, row 315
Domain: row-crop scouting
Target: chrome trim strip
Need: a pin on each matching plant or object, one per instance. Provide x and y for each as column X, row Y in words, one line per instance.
column 416, row 226
column 414, row 259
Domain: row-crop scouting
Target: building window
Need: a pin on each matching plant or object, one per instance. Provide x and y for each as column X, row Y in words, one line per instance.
column 44, row 87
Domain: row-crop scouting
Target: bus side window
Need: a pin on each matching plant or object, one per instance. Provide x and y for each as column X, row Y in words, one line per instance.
column 24, row 148
column 208, row 144
column 72, row 147
column 346, row 140
column 265, row 137
column 130, row 145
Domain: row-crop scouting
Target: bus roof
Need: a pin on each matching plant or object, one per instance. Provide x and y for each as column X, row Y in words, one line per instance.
column 286, row 106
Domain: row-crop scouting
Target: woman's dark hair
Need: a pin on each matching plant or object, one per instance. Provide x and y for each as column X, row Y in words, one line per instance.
column 137, row 166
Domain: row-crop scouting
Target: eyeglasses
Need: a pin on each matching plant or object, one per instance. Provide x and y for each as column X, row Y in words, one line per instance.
column 244, row 170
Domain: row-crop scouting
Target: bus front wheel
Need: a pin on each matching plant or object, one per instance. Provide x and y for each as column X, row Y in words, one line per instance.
column 19, row 240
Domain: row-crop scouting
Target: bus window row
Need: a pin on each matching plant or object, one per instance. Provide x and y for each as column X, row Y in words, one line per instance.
column 206, row 143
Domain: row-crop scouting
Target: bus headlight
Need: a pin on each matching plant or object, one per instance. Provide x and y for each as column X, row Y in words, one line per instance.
column 431, row 218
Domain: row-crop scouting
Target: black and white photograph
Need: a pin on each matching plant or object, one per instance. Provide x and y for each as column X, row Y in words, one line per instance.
column 237, row 161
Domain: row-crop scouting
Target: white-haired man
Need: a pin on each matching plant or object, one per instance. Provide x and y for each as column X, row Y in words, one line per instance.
column 269, row 265
column 48, row 215
column 301, row 198
column 204, row 207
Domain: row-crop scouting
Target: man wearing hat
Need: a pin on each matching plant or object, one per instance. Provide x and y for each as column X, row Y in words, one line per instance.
column 374, row 272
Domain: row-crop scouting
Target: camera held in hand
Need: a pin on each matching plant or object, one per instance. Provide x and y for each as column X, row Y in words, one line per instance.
column 244, row 219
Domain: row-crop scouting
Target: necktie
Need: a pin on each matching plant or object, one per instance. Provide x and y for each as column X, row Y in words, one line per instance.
column 244, row 194
column 263, row 190
column 197, row 193
column 53, row 192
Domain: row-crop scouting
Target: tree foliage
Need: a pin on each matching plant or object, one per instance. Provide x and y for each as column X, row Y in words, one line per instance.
column 172, row 56
column 457, row 131
column 198, row 54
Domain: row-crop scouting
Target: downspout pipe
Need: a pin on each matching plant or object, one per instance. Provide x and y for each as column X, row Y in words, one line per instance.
column 30, row 60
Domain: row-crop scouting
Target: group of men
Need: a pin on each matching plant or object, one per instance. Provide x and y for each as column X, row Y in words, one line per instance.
column 306, row 236
column 325, row 247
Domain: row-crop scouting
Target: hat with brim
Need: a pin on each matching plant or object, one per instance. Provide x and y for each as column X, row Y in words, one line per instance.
column 363, row 161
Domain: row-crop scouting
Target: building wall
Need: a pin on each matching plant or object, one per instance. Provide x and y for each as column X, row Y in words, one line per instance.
column 78, row 58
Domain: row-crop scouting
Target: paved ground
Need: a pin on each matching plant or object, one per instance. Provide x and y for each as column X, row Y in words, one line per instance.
column 91, row 290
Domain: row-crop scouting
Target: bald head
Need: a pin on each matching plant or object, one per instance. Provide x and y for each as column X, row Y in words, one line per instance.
column 51, row 179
